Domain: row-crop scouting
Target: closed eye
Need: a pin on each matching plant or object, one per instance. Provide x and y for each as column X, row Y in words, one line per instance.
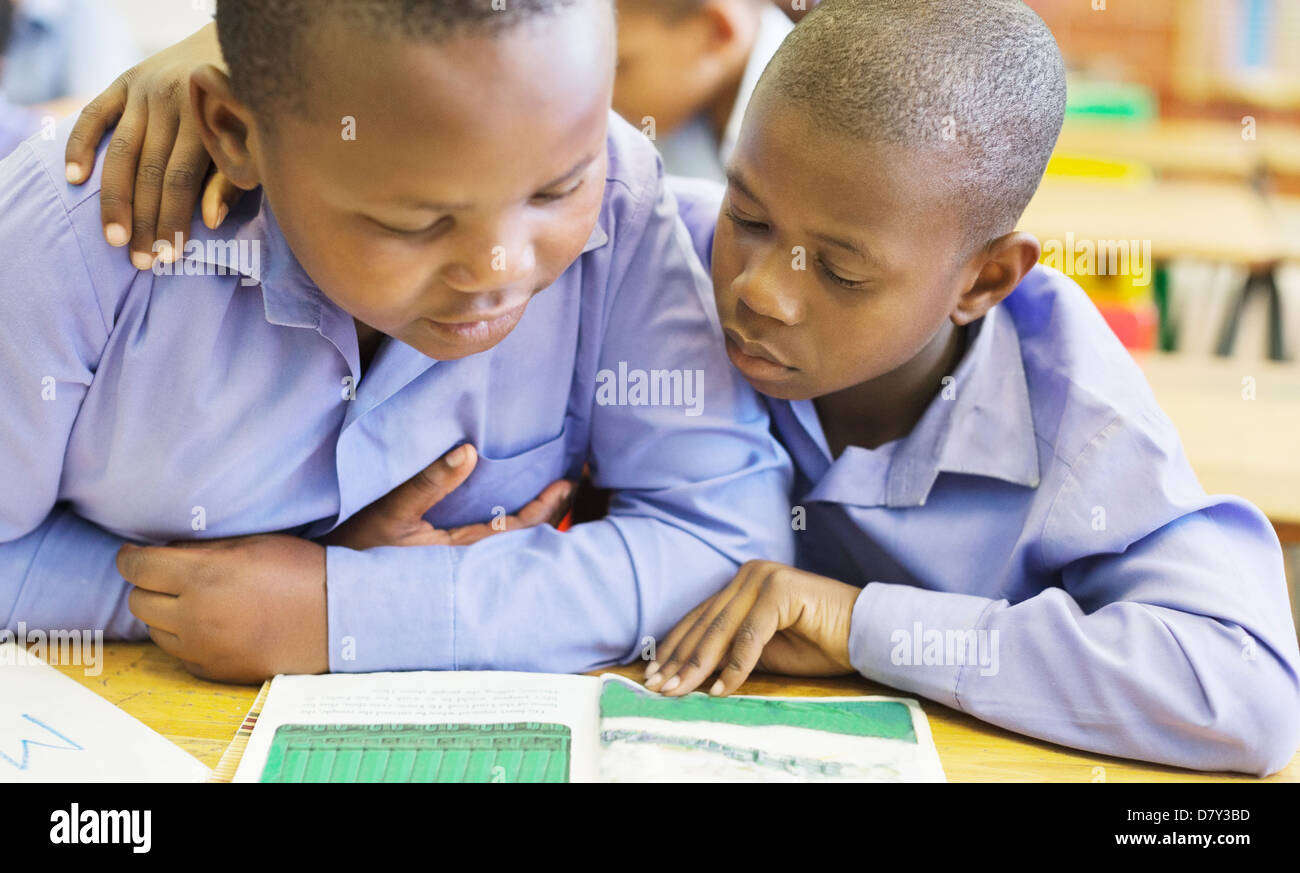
column 837, row 278
column 552, row 196
column 745, row 223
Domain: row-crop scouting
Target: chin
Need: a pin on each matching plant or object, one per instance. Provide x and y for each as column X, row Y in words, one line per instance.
column 783, row 390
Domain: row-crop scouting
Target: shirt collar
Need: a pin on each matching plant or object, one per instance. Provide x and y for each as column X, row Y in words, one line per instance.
column 980, row 424
column 984, row 428
column 258, row 251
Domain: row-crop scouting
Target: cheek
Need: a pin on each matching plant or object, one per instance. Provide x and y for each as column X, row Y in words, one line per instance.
column 563, row 235
column 727, row 263
column 378, row 281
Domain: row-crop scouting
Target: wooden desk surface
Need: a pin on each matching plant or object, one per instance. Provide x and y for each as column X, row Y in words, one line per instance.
column 202, row 717
column 1235, row 445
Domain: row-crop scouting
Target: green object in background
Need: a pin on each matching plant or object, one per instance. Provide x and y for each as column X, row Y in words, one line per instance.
column 888, row 719
column 1111, row 101
column 529, row 752
column 1167, row 340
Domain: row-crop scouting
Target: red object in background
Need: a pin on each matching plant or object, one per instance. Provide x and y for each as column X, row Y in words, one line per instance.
column 1136, row 326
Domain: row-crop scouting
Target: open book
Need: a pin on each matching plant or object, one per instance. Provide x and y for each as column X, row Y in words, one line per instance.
column 534, row 727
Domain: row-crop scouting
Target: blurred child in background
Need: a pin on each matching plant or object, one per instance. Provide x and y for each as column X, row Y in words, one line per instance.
column 686, row 69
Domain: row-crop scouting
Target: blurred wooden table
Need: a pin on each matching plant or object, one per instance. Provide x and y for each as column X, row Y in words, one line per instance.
column 1218, row 221
column 1247, row 447
column 202, row 717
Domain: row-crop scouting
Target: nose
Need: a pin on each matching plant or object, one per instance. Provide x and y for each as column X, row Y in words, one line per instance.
column 766, row 286
column 492, row 262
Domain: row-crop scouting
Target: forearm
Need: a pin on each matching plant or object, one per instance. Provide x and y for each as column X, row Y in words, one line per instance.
column 539, row 599
column 1130, row 679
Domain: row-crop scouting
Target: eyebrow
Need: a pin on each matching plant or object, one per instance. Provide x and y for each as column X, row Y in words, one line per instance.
column 734, row 178
column 436, row 206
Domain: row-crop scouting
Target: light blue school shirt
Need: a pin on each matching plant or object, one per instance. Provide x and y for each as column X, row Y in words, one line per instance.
column 65, row 48
column 1043, row 510
column 139, row 406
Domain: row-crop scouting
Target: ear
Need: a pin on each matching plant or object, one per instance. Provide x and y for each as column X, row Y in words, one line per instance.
column 731, row 24
column 225, row 125
column 1000, row 267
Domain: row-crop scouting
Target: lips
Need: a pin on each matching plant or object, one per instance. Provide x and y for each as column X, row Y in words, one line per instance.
column 759, row 364
column 477, row 329
column 755, row 350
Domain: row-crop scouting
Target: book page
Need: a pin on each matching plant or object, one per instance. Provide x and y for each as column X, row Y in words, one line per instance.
column 646, row 737
column 54, row 730
column 425, row 727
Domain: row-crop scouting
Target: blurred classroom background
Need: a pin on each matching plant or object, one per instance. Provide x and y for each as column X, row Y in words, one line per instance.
column 1173, row 197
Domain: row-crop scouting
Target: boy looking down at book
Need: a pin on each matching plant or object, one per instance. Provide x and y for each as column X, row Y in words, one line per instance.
column 448, row 239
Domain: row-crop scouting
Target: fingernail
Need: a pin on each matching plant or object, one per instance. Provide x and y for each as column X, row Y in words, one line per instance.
column 73, row 172
column 717, row 688
column 166, row 252
column 141, row 260
column 116, row 235
column 653, row 681
column 221, row 214
column 651, row 669
column 671, row 684
column 456, row 457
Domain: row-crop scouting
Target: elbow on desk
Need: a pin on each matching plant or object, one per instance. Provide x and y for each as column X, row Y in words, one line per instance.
column 1258, row 726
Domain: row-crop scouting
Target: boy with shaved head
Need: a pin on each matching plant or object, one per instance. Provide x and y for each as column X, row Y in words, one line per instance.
column 993, row 510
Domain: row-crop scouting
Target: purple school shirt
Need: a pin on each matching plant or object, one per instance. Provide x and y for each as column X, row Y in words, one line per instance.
column 1037, row 552
column 227, row 399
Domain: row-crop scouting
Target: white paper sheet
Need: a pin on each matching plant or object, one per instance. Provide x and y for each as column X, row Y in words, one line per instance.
column 54, row 730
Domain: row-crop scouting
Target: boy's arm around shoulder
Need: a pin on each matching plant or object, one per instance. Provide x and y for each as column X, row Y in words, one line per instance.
column 56, row 569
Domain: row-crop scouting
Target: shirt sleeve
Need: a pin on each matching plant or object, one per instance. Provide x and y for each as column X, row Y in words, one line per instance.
column 698, row 489
column 1169, row 642
column 56, row 570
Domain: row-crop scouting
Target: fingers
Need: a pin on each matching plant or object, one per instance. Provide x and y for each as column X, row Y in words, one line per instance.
column 155, row 568
column 158, row 611
column 186, row 171
column 417, row 495
column 549, row 507
column 693, row 660
column 156, row 152
column 96, row 118
column 117, row 182
column 665, row 649
column 219, row 195
column 746, row 645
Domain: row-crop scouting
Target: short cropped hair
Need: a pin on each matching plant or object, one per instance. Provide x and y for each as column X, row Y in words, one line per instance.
column 983, row 78
column 263, row 41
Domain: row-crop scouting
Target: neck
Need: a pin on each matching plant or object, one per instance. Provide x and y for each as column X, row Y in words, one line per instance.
column 886, row 408
column 368, row 340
